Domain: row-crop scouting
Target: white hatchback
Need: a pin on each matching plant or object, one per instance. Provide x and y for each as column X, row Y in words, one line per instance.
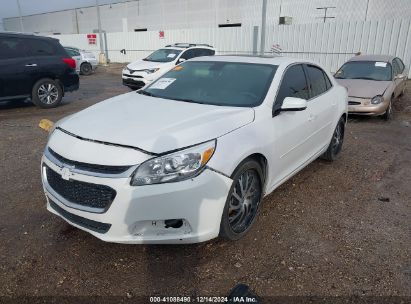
column 191, row 156
column 142, row 72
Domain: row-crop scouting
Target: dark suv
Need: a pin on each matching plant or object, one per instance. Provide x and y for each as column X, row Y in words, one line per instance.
column 35, row 67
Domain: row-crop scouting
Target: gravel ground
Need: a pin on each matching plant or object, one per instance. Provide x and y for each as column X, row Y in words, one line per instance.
column 335, row 229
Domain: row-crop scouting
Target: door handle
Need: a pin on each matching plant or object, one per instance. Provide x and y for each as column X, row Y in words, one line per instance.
column 31, row 65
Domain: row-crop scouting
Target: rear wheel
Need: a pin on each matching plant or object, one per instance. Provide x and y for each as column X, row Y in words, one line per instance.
column 243, row 201
column 336, row 142
column 86, row 68
column 47, row 93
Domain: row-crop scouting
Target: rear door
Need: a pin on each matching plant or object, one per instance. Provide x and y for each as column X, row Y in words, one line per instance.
column 14, row 82
column 322, row 108
column 44, row 59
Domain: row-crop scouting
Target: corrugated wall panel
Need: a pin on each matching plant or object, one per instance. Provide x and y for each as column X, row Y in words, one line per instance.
column 330, row 44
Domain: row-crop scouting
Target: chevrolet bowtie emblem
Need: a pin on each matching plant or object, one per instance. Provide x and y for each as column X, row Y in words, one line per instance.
column 66, row 173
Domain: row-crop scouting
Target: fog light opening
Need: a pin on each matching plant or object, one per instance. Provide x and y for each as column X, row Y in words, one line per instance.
column 175, row 223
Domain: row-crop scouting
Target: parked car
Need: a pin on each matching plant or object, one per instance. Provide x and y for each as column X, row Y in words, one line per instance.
column 142, row 72
column 373, row 82
column 86, row 62
column 190, row 157
column 35, row 67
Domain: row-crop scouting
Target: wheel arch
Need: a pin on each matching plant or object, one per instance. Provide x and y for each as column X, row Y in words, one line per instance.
column 262, row 161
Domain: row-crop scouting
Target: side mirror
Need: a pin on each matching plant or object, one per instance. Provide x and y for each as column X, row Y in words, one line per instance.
column 294, row 104
column 180, row 60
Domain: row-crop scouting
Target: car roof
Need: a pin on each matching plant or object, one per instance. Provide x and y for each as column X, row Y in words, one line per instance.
column 25, row 35
column 382, row 58
column 179, row 46
column 273, row 60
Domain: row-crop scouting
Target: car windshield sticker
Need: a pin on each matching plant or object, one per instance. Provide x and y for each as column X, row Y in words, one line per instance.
column 162, row 83
column 171, row 55
column 381, row 64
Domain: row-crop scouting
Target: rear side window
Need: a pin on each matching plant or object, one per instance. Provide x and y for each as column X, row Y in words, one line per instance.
column 294, row 84
column 37, row 47
column 189, row 54
column 11, row 47
column 204, row 52
column 318, row 82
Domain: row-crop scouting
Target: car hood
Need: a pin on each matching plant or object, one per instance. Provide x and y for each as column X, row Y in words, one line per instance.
column 143, row 65
column 153, row 124
column 364, row 88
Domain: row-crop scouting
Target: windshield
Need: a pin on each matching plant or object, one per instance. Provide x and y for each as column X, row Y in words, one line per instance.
column 215, row 83
column 163, row 55
column 371, row 70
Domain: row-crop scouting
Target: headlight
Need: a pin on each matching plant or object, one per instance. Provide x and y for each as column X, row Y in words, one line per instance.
column 174, row 167
column 377, row 99
column 151, row 71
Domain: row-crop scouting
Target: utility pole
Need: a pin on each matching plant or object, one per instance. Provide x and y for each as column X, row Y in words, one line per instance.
column 100, row 36
column 21, row 17
column 263, row 26
column 325, row 8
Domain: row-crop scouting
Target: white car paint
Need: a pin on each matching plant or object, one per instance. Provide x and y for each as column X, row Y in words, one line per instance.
column 137, row 70
column 130, row 128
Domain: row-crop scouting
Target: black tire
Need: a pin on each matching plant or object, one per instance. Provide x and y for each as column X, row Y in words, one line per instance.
column 86, row 68
column 235, row 223
column 46, row 93
column 388, row 113
column 336, row 143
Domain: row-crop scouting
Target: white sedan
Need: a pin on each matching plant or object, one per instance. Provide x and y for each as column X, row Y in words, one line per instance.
column 191, row 156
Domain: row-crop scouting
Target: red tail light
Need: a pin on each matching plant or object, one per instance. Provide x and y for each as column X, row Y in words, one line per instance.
column 70, row 62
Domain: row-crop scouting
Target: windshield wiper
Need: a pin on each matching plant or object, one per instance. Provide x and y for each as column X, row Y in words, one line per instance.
column 188, row 100
column 142, row 92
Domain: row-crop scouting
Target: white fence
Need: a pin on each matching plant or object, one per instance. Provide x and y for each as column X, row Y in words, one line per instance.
column 329, row 44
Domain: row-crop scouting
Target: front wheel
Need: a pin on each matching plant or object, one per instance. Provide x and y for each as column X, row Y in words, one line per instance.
column 336, row 142
column 243, row 201
column 388, row 113
column 47, row 93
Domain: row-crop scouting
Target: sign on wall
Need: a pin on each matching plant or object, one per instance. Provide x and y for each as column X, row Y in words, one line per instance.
column 91, row 38
column 161, row 34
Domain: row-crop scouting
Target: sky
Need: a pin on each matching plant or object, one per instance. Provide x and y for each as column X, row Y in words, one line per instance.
column 8, row 8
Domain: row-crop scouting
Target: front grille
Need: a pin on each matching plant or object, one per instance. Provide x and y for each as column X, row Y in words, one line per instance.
column 354, row 103
column 81, row 221
column 90, row 167
column 134, row 83
column 81, row 193
column 133, row 76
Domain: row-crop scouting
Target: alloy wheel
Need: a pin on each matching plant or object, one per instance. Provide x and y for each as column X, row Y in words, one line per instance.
column 244, row 201
column 48, row 93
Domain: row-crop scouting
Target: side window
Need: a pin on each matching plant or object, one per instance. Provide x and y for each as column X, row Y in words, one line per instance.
column 11, row 48
column 318, row 83
column 294, row 84
column 204, row 52
column 401, row 64
column 72, row 53
column 39, row 47
column 189, row 54
column 396, row 67
column 327, row 81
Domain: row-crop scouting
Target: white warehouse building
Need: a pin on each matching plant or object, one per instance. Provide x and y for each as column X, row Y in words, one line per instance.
column 147, row 15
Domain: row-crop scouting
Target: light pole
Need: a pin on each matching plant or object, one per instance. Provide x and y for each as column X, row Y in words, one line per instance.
column 263, row 26
column 21, row 17
column 100, row 36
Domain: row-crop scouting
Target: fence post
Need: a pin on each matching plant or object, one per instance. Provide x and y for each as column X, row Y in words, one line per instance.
column 255, row 40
